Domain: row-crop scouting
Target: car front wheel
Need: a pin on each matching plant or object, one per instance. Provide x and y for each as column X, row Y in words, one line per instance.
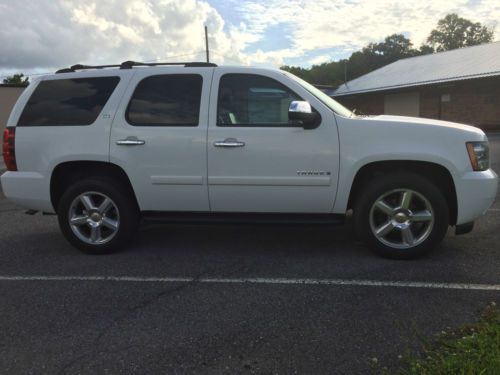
column 401, row 216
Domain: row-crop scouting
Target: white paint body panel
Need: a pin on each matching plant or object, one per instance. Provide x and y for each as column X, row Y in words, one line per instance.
column 40, row 149
column 262, row 175
column 179, row 169
column 168, row 172
column 373, row 139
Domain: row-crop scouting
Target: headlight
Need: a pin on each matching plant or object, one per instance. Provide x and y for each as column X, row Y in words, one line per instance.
column 479, row 155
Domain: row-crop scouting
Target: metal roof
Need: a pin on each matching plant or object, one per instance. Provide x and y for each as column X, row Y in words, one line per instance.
column 459, row 64
column 12, row 85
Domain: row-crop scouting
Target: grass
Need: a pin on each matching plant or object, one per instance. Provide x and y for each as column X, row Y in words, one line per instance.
column 470, row 349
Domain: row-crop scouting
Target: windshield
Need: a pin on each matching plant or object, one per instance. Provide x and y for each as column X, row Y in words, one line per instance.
column 332, row 104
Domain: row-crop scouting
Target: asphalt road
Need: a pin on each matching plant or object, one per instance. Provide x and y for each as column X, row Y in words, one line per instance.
column 231, row 299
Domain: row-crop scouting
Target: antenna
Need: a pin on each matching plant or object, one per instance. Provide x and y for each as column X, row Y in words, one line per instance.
column 206, row 44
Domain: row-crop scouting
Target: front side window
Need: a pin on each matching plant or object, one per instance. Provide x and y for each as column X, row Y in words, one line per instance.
column 69, row 102
column 166, row 100
column 253, row 100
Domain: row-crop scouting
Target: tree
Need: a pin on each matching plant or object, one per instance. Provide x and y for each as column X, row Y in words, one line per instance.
column 393, row 48
column 454, row 32
column 371, row 57
column 425, row 49
column 451, row 32
column 375, row 55
column 17, row 79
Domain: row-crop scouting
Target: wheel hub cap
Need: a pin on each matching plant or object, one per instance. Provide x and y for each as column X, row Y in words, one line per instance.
column 94, row 218
column 401, row 218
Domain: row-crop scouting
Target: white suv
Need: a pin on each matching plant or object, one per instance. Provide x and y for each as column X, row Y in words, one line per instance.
column 106, row 146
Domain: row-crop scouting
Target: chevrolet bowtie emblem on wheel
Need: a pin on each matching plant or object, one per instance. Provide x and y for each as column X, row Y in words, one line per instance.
column 313, row 173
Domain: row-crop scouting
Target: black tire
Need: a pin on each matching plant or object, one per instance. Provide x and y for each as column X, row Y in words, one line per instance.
column 394, row 183
column 124, row 205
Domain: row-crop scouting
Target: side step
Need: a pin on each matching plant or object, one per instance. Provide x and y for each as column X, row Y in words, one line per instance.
column 34, row 212
column 242, row 218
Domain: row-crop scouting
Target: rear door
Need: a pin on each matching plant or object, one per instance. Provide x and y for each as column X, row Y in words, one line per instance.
column 159, row 137
column 257, row 160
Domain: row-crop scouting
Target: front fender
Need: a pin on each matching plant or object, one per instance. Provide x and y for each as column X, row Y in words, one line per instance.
column 363, row 142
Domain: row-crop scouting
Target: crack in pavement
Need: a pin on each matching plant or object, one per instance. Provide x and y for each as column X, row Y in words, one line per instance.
column 96, row 342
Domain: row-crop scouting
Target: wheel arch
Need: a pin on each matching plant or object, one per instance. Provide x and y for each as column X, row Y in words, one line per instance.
column 436, row 173
column 66, row 173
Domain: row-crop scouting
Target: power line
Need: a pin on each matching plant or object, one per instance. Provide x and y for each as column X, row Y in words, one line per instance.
column 225, row 57
column 147, row 61
column 174, row 57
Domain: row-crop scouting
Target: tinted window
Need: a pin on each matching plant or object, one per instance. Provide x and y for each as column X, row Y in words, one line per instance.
column 68, row 101
column 253, row 100
column 166, row 100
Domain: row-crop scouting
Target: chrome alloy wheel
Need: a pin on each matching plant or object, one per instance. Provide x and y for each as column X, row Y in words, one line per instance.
column 94, row 218
column 401, row 218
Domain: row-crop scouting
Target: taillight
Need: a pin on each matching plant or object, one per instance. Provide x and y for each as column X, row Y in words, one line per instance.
column 9, row 148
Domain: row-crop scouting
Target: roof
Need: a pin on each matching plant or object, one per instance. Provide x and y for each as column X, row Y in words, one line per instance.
column 12, row 85
column 459, row 64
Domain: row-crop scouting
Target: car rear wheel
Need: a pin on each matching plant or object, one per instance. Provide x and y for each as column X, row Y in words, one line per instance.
column 97, row 217
column 401, row 216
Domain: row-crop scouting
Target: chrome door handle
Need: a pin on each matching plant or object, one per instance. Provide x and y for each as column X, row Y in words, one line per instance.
column 229, row 142
column 130, row 141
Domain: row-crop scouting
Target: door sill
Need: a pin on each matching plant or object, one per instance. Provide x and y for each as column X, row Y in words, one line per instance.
column 242, row 218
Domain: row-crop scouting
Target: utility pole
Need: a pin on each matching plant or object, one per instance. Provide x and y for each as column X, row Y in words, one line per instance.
column 345, row 72
column 206, row 44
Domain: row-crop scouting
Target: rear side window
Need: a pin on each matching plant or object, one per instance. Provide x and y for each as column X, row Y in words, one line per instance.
column 69, row 102
column 166, row 100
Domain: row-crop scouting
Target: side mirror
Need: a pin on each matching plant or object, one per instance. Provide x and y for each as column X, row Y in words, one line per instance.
column 301, row 113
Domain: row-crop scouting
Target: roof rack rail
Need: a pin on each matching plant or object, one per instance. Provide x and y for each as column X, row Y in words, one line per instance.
column 131, row 64
column 76, row 67
column 195, row 64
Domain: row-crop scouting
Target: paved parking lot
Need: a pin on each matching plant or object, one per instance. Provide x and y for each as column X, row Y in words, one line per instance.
column 231, row 299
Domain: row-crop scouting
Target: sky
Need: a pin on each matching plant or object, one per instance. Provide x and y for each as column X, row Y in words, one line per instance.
column 38, row 36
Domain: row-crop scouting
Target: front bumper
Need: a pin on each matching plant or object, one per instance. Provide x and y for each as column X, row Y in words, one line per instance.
column 476, row 192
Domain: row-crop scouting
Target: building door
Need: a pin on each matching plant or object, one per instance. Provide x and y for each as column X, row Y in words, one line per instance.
column 402, row 104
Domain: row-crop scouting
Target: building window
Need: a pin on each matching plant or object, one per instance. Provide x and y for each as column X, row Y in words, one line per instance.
column 445, row 98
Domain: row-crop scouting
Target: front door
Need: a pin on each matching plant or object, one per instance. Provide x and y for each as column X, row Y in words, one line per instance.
column 257, row 160
column 159, row 138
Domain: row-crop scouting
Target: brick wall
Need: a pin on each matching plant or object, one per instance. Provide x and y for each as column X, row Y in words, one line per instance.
column 475, row 102
column 369, row 104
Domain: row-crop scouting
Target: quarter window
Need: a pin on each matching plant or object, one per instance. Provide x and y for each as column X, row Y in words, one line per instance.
column 166, row 100
column 67, row 102
column 253, row 100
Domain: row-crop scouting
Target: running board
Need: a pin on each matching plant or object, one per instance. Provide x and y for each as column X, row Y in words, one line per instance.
column 242, row 218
